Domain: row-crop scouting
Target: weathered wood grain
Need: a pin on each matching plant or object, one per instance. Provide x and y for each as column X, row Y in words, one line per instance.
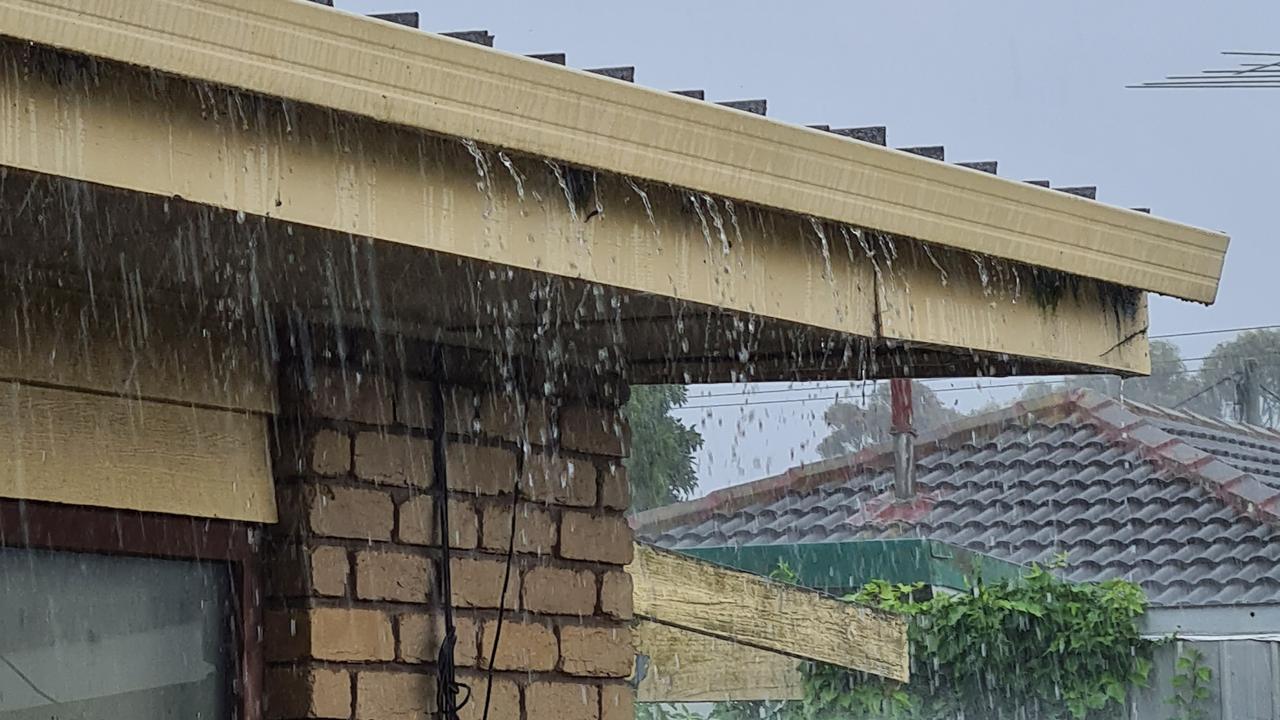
column 676, row 590
column 99, row 450
column 685, row 666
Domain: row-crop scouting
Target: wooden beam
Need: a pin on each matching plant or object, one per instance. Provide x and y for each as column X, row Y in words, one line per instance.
column 402, row 77
column 304, row 200
column 685, row 666
column 90, row 449
column 679, row 591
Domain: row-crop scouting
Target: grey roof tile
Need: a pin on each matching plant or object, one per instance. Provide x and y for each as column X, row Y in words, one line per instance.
column 1119, row 501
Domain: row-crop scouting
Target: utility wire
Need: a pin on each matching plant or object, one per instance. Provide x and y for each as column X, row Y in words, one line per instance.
column 747, row 403
column 1223, row 331
column 1270, row 392
column 846, row 383
column 1206, row 389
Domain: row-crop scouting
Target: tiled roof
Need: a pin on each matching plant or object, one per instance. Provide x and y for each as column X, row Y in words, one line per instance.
column 1184, row 505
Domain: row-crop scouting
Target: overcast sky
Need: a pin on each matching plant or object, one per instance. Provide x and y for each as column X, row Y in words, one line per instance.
column 1037, row 86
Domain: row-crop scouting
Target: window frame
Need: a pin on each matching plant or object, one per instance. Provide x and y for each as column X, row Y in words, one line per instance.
column 106, row 531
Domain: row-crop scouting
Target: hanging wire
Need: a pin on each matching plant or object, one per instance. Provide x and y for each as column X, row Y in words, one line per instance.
column 1207, row 388
column 447, row 685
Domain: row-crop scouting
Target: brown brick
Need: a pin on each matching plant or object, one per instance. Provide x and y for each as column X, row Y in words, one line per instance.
column 505, row 704
column 286, row 635
column 616, row 596
column 500, row 416
column 330, row 453
column 415, row 406
column 480, row 469
column 477, row 583
column 559, row 480
column 421, row 633
column 343, row 634
column 596, row 652
column 344, row 394
column 617, row 702
column 600, row 538
column 599, row 431
column 350, row 635
column 389, row 695
column 559, row 591
column 395, row 576
column 524, row 646
column 308, row 692
column 535, row 528
column 358, row 513
column 284, row 569
column 615, row 491
column 561, row 701
column 393, row 459
column 417, row 521
column 330, row 567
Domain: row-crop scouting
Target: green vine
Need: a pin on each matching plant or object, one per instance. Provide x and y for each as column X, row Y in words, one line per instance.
column 1038, row 647
column 1191, row 679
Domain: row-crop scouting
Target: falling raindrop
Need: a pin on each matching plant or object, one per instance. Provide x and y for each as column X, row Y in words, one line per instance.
column 718, row 222
column 564, row 186
column 702, row 219
column 515, row 174
column 942, row 273
column 482, row 174
column 644, row 199
column 826, row 248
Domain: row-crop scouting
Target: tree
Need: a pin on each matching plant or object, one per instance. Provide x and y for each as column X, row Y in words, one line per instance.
column 1227, row 361
column 1170, row 384
column 855, row 426
column 661, row 466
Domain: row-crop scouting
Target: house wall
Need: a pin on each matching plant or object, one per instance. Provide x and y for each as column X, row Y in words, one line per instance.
column 1245, row 681
column 353, row 622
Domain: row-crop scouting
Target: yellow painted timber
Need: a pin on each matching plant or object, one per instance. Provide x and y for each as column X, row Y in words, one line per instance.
column 676, row 590
column 393, row 184
column 98, row 450
column 138, row 348
column 685, row 667
column 299, row 51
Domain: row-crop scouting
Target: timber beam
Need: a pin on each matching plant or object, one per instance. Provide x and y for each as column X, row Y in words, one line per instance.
column 753, row 612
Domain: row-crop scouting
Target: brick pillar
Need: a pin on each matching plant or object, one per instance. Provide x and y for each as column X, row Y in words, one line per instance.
column 353, row 621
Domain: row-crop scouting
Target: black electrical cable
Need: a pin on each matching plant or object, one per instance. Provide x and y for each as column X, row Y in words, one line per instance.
column 447, row 685
column 522, row 411
column 522, row 403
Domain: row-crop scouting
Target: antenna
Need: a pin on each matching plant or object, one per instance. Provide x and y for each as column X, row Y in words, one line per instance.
column 1263, row 72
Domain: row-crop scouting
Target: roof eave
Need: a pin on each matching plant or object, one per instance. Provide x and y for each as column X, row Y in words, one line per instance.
column 307, row 53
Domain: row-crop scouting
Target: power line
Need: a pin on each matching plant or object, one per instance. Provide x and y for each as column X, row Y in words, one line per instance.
column 1205, row 389
column 845, row 384
column 936, row 390
column 1223, row 331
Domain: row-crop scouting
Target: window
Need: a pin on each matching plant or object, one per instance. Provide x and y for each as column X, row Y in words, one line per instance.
column 111, row 614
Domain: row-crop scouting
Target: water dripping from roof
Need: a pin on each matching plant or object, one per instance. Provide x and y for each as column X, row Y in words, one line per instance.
column 483, row 183
column 564, row 187
column 644, row 199
column 515, row 174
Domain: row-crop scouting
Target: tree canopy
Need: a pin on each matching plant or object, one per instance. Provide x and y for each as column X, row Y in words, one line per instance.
column 857, row 425
column 661, row 465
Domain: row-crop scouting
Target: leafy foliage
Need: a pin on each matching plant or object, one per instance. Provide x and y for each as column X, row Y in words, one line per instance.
column 857, row 425
column 1262, row 347
column 661, row 466
column 1038, row 647
column 1191, row 679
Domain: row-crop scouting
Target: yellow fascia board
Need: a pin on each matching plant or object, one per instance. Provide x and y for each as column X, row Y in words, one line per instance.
column 300, row 51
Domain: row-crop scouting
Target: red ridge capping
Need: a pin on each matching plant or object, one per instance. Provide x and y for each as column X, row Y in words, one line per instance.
column 1235, row 487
